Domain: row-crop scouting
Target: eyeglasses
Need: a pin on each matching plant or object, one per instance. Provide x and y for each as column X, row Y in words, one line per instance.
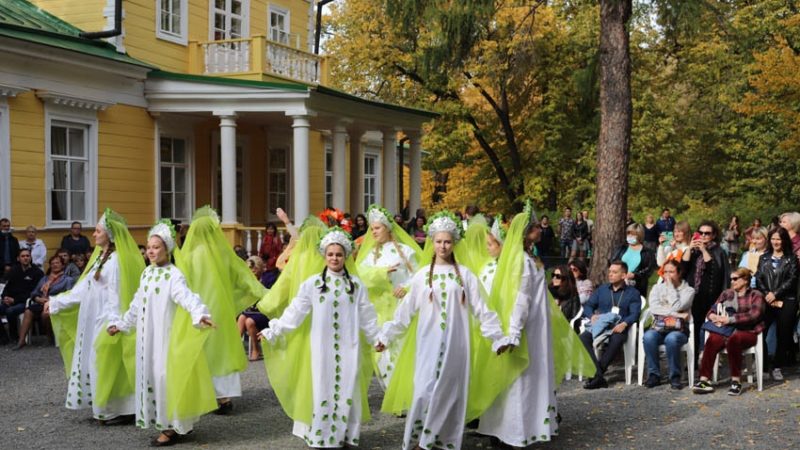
column 558, row 276
column 705, row 233
column 735, row 278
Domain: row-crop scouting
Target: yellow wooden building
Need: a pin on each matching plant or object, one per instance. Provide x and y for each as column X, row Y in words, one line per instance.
column 220, row 102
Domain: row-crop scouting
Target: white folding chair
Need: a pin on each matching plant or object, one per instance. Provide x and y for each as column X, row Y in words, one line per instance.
column 758, row 364
column 628, row 348
column 687, row 348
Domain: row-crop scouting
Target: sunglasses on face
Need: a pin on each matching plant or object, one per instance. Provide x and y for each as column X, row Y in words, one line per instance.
column 558, row 276
column 705, row 233
column 735, row 278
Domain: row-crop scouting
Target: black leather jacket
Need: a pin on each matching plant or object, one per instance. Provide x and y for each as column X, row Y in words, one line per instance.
column 781, row 281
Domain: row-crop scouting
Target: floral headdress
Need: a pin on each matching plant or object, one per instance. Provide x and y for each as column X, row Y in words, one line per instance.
column 336, row 235
column 166, row 231
column 377, row 213
column 109, row 215
column 498, row 230
column 445, row 221
column 334, row 217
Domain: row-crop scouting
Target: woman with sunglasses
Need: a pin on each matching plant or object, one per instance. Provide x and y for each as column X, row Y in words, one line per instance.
column 582, row 282
column 707, row 271
column 777, row 279
column 565, row 293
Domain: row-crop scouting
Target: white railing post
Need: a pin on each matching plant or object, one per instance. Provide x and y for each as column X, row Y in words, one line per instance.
column 249, row 243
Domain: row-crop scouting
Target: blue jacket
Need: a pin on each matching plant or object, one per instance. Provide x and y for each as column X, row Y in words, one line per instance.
column 630, row 303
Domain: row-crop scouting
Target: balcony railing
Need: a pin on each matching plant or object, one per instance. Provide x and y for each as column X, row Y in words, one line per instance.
column 254, row 55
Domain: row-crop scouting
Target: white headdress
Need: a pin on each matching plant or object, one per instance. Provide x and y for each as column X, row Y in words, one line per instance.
column 376, row 214
column 164, row 230
column 497, row 230
column 445, row 221
column 103, row 222
column 336, row 235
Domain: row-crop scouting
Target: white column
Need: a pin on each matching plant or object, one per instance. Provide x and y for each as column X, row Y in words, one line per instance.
column 390, row 170
column 339, row 171
column 415, row 174
column 300, row 126
column 356, row 173
column 227, row 143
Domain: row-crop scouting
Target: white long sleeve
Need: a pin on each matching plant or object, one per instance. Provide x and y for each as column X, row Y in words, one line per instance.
column 70, row 298
column 187, row 299
column 522, row 305
column 111, row 307
column 292, row 317
column 491, row 328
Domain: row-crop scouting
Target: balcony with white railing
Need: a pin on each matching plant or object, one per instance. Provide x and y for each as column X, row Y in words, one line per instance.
column 254, row 56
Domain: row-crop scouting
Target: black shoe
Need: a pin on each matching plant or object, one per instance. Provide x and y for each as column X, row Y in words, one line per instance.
column 172, row 439
column 473, row 424
column 702, row 387
column 653, row 380
column 119, row 420
column 596, row 383
column 735, row 389
column 675, row 384
column 224, row 408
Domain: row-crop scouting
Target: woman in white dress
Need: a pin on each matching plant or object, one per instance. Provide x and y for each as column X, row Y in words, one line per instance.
column 387, row 260
column 99, row 375
column 526, row 412
column 325, row 393
column 173, row 381
column 432, row 379
column 494, row 245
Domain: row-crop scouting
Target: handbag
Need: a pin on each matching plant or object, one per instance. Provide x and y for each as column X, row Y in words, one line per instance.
column 725, row 330
column 668, row 323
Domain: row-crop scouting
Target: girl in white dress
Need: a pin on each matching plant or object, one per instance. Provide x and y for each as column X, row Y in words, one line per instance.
column 173, row 382
column 325, row 393
column 98, row 371
column 387, row 260
column 433, row 373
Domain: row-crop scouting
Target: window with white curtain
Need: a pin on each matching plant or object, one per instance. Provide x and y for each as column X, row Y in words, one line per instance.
column 174, row 178
column 69, row 162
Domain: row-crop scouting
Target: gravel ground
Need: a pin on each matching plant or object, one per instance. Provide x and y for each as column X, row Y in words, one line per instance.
column 33, row 416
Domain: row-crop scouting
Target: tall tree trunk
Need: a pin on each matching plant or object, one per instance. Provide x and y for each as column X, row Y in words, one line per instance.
column 613, row 147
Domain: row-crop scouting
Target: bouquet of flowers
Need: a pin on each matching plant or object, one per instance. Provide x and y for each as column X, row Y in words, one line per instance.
column 333, row 217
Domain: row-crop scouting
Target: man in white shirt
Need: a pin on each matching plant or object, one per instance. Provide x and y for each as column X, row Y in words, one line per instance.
column 36, row 246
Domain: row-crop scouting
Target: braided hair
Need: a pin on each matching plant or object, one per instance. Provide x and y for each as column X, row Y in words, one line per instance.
column 458, row 275
column 106, row 255
column 324, row 288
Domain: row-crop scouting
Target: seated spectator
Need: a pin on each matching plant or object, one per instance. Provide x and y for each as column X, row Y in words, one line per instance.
column 777, row 280
column 54, row 283
column 21, row 282
column 672, row 244
column 75, row 242
column 9, row 248
column 271, row 248
column 359, row 227
column 640, row 260
column 670, row 304
column 582, row 282
column 88, row 254
column 651, row 233
column 544, row 247
column 734, row 322
column 580, row 238
column 143, row 251
column 240, row 252
column 399, row 220
column 611, row 310
column 36, row 246
column 80, row 262
column 251, row 320
column 565, row 293
column 71, row 270
column 790, row 221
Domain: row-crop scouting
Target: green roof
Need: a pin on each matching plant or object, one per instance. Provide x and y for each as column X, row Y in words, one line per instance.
column 22, row 20
column 229, row 81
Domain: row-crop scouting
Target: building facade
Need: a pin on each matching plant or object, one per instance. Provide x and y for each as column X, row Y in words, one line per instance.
column 219, row 102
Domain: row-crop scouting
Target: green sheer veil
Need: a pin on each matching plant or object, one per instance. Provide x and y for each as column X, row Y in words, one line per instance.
column 115, row 356
column 224, row 282
column 288, row 362
column 473, row 253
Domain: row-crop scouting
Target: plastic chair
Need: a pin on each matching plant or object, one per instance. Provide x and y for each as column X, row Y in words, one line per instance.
column 687, row 348
column 758, row 355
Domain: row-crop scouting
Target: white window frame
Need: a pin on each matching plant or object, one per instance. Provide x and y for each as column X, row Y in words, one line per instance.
column 5, row 160
column 328, row 175
column 245, row 17
column 278, row 10
column 64, row 115
column 374, row 176
column 182, row 37
column 188, row 165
